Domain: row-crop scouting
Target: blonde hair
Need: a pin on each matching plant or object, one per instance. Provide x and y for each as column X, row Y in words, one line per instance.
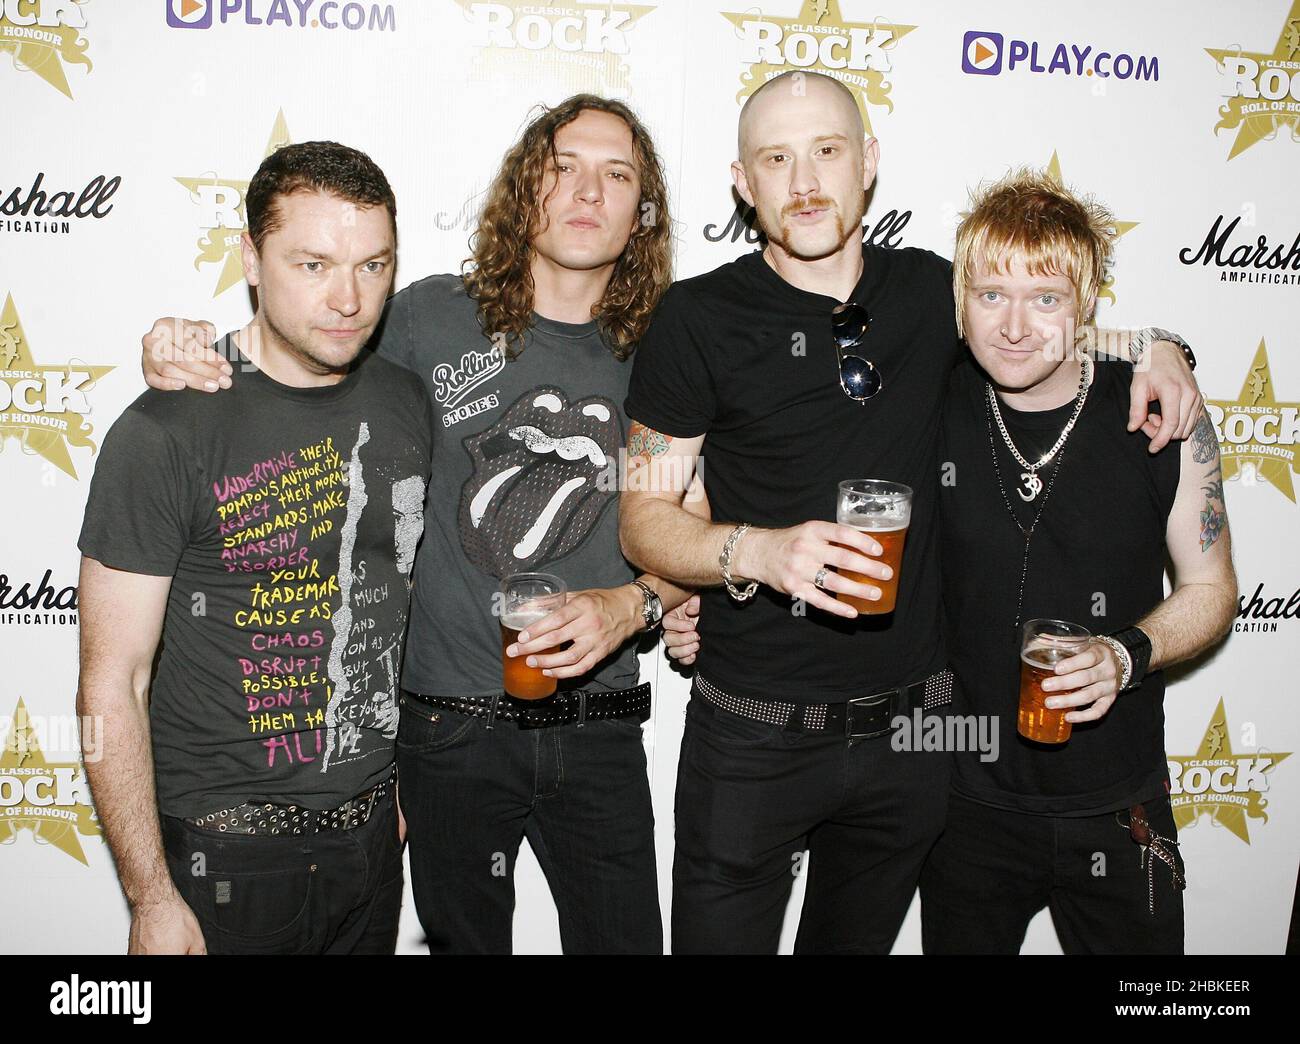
column 1029, row 215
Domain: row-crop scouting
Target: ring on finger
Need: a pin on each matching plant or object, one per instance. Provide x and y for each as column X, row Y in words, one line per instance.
column 819, row 581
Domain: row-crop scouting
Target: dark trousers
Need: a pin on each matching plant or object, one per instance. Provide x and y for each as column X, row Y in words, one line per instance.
column 580, row 795
column 994, row 869
column 336, row 891
column 750, row 799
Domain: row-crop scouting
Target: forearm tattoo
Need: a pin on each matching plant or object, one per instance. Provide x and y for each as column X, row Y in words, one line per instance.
column 1214, row 516
column 1204, row 443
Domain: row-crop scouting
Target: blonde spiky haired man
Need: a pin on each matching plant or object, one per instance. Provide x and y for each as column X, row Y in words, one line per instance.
column 1055, row 512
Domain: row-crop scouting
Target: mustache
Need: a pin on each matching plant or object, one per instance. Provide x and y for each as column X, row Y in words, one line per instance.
column 809, row 203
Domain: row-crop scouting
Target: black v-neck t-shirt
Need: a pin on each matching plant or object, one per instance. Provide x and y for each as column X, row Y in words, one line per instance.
column 747, row 360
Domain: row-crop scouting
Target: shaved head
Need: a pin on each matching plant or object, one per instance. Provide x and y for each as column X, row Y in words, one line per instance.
column 797, row 88
column 805, row 164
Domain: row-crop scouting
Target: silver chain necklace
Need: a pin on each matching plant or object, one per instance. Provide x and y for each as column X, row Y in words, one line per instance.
column 1029, row 477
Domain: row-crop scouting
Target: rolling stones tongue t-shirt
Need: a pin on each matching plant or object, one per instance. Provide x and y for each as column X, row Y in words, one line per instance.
column 525, row 456
column 288, row 519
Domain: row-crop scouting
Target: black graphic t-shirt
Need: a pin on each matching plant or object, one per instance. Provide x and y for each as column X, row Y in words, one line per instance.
column 1096, row 558
column 524, row 479
column 288, row 519
column 745, row 357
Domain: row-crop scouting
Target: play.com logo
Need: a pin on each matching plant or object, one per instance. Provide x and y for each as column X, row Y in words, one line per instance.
column 189, row 14
column 981, row 53
column 304, row 14
column 988, row 54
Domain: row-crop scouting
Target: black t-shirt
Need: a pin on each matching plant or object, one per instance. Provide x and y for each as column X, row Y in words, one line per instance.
column 1096, row 558
column 288, row 519
column 744, row 358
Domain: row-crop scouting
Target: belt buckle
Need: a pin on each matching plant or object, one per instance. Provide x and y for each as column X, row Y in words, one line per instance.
column 530, row 716
column 879, row 707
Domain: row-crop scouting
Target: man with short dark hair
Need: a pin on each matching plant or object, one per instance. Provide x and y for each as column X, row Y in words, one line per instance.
column 248, row 793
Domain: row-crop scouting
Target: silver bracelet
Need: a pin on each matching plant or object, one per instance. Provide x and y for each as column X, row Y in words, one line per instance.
column 724, row 562
column 1121, row 654
column 1148, row 335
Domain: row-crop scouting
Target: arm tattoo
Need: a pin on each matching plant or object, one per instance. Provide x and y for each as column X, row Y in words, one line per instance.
column 1204, row 443
column 643, row 442
column 1214, row 517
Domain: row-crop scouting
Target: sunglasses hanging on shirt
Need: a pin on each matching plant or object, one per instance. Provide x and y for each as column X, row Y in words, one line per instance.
column 850, row 325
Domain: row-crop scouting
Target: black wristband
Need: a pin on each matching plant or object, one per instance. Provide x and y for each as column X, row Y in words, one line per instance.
column 1135, row 640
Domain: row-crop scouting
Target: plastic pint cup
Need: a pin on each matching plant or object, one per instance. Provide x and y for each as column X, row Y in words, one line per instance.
column 526, row 599
column 884, row 511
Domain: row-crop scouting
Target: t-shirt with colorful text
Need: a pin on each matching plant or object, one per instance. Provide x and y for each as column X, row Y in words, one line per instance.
column 288, row 519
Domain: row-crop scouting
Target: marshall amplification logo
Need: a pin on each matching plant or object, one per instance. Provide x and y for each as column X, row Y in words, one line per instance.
column 46, row 604
column 1256, row 433
column 44, row 407
column 1106, row 292
column 222, row 217
column 581, row 44
column 1241, row 261
column 1263, row 89
column 1260, row 612
column 43, row 37
column 1218, row 783
column 51, row 799
column 43, row 208
column 820, row 40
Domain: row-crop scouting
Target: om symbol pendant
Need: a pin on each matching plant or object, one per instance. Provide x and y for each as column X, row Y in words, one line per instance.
column 1033, row 486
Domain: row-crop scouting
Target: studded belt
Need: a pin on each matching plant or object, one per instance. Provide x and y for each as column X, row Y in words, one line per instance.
column 863, row 717
column 564, row 708
column 269, row 818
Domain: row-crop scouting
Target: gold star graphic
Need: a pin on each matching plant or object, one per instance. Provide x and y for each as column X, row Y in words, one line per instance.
column 1256, row 432
column 221, row 245
column 54, row 803
column 1106, row 290
column 1261, row 118
column 45, row 49
column 868, row 85
column 1216, row 782
column 37, row 390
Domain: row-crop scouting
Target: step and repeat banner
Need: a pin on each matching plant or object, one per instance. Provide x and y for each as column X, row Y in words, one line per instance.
column 133, row 127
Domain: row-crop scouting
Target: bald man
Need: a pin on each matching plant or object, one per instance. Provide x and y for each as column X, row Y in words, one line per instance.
column 819, row 358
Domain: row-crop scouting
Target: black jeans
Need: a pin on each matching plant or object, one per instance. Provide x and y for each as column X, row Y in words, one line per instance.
column 337, row 891
column 750, row 799
column 994, row 869
column 579, row 794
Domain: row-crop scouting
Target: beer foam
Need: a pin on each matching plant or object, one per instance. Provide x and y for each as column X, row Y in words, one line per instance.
column 521, row 619
column 1045, row 657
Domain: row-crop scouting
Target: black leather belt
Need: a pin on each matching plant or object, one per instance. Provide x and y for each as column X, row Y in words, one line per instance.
column 863, row 717
column 566, row 707
column 269, row 818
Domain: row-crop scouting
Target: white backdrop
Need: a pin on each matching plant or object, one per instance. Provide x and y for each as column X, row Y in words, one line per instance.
column 180, row 100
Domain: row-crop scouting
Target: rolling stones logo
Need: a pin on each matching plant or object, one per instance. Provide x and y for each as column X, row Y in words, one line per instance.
column 534, row 495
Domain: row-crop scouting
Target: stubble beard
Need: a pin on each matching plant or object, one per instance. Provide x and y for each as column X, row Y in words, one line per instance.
column 303, row 353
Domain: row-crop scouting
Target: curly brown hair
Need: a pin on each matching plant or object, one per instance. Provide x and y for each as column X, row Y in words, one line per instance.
column 501, row 280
